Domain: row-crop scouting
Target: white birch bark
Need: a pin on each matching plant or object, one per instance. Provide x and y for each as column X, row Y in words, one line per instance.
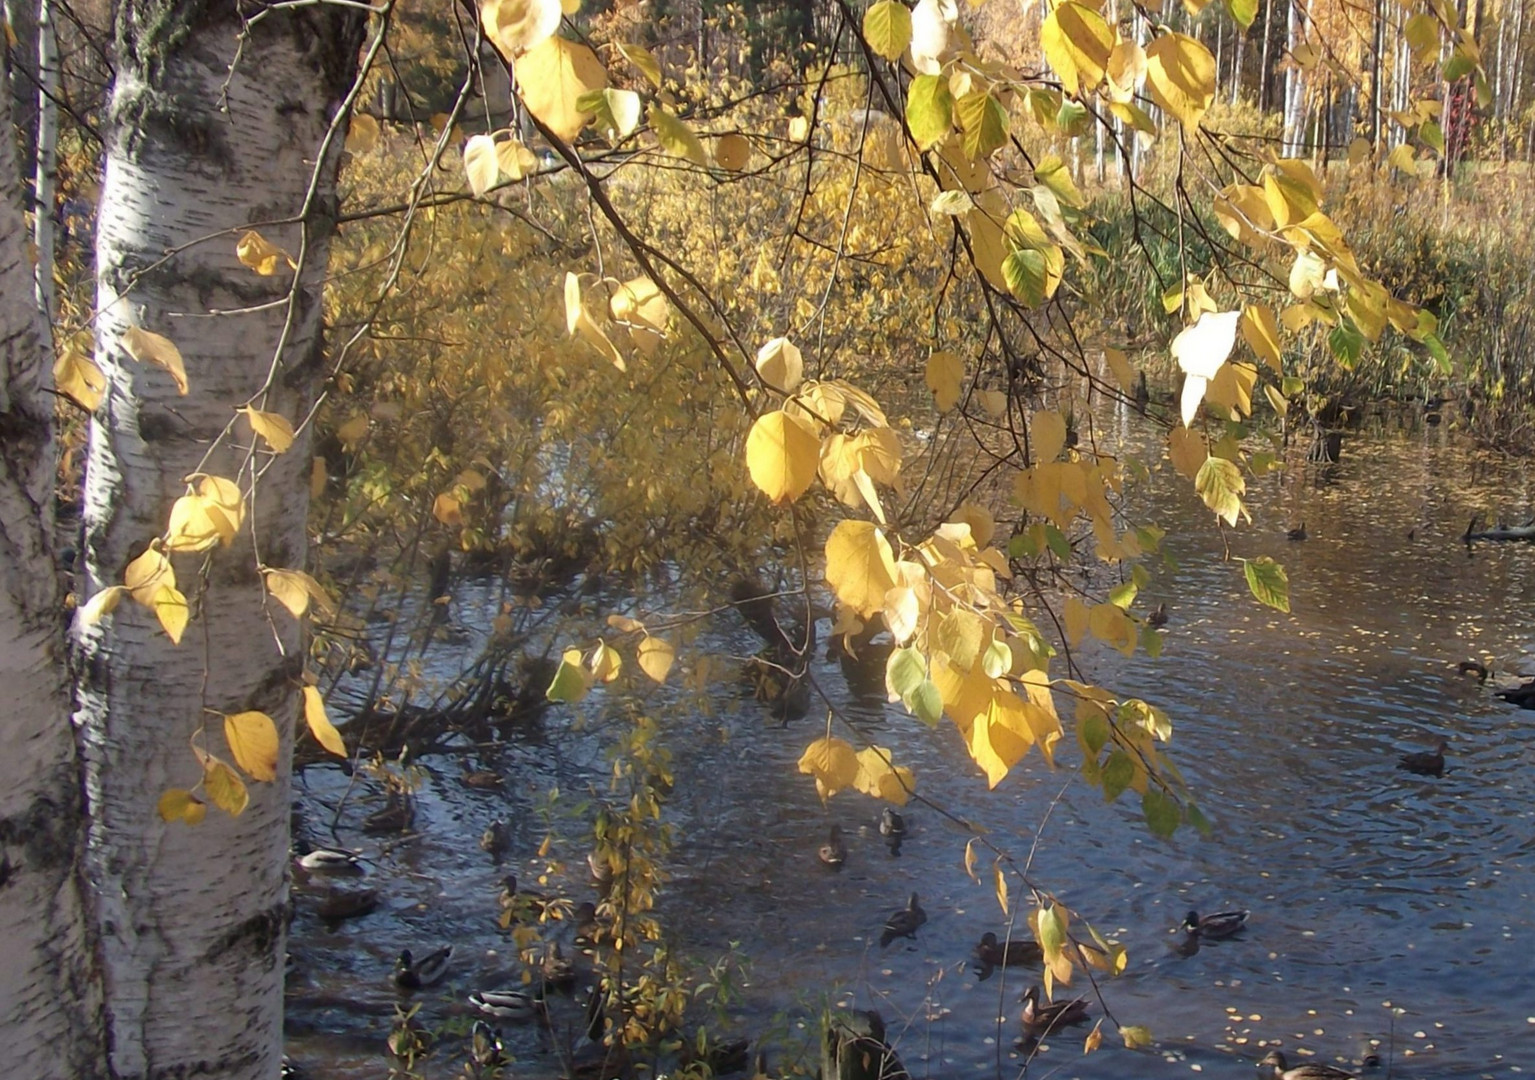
column 204, row 138
column 49, row 1023
column 44, row 180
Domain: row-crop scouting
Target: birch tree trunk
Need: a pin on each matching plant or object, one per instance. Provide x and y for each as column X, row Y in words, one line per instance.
column 49, row 1000
column 220, row 114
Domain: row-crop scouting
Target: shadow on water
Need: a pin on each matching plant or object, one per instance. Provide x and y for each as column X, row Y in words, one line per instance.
column 1372, row 889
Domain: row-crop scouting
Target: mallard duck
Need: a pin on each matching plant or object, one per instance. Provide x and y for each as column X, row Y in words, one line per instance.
column 1222, row 924
column 397, row 816
column 485, row 1048
column 342, row 904
column 1043, row 1019
column 892, row 826
column 903, row 922
column 1275, row 1065
column 334, row 861
column 508, row 1004
column 496, row 840
column 1157, row 618
column 602, row 872
column 480, row 779
column 993, row 953
column 1297, row 533
column 833, row 853
column 557, row 970
column 413, row 974
column 1424, row 762
column 518, row 906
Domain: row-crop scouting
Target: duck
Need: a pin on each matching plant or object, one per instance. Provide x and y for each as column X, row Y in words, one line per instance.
column 602, row 872
column 518, row 906
column 1275, row 1065
column 993, row 953
column 557, row 970
column 892, row 826
column 721, row 1058
column 1424, row 762
column 1297, row 533
column 903, row 922
column 496, row 840
column 485, row 1048
column 413, row 974
column 1043, row 1019
column 508, row 1004
column 393, row 818
column 588, row 929
column 340, row 904
column 1222, row 924
column 480, row 779
column 1157, row 618
column 1473, row 667
column 334, row 861
column 833, row 853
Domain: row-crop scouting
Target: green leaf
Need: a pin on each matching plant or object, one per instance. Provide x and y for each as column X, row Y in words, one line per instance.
column 1072, row 118
column 1220, row 484
column 1027, row 274
column 1057, row 542
column 1122, row 596
column 925, row 703
column 887, row 28
column 984, row 122
column 1422, row 34
column 1197, row 819
column 1163, row 815
column 1095, row 732
column 1432, row 135
column 1243, row 12
column 905, row 671
column 1459, row 65
column 1268, row 582
column 1440, row 354
column 1118, row 771
column 1347, row 343
column 929, row 110
column 570, row 681
column 1151, row 641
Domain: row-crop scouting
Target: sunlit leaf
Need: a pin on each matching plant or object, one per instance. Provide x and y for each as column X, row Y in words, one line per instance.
column 782, row 453
column 655, row 657
column 273, row 428
column 1180, row 73
column 1200, row 350
column 259, row 254
column 780, row 364
column 732, row 152
column 1268, row 582
column 551, row 78
column 1220, row 484
column 320, row 727
column 860, row 566
column 887, row 28
column 252, row 738
column 571, row 679
column 101, row 605
column 676, row 137
column 832, row 762
column 150, row 348
column 179, row 804
column 294, row 589
column 224, row 787
column 1077, row 42
column 77, row 377
column 929, row 110
column 516, row 26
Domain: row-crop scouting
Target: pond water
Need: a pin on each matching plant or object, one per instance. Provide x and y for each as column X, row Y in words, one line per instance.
column 1392, row 913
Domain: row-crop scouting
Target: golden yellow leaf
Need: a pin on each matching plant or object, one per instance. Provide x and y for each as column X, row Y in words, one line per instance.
column 1001, row 886
column 832, row 762
column 194, row 527
column 1048, row 430
column 259, row 254
column 1077, row 617
column 1181, row 75
column 171, row 609
column 945, row 374
column 982, row 525
column 320, row 727
column 675, row 136
column 224, row 787
column 860, row 566
column 148, row 347
column 179, row 804
column 877, row 777
column 361, row 133
column 1135, row 1036
column 145, row 574
column 252, row 738
column 780, row 364
column 993, row 403
column 482, row 166
column 732, row 152
column 655, row 657
column 579, row 323
column 1119, row 364
column 275, row 429
column 1126, row 71
column 1261, row 332
column 1094, row 1038
column 516, row 26
column 552, row 76
column 643, row 59
column 78, row 378
column 294, row 589
column 515, row 160
column 101, row 605
column 448, row 510
column 782, row 453
column 1078, row 44
column 605, row 663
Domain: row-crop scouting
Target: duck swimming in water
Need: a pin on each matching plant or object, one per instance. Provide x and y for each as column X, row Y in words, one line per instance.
column 1275, row 1065
column 1041, row 1019
column 1222, row 924
column 1424, row 762
column 903, row 922
column 833, row 853
column 993, row 953
column 508, row 1004
column 413, row 974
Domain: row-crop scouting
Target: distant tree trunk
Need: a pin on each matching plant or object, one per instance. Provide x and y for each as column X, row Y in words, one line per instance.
column 45, row 183
column 50, row 998
column 1377, row 74
column 1236, row 65
column 1294, row 86
column 1265, row 72
column 192, row 920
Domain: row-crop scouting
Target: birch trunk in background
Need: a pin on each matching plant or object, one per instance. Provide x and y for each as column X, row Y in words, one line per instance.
column 49, row 1001
column 217, row 117
column 45, row 182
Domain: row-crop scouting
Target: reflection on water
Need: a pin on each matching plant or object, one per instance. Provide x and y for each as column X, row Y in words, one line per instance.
column 1371, row 888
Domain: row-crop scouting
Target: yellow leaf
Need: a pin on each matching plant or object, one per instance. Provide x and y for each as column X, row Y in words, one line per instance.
column 1135, row 1036
column 877, row 777
column 146, row 574
column 195, row 525
column 77, row 377
column 945, row 373
column 171, row 609
column 515, row 160
column 1126, row 71
column 782, row 453
column 1232, row 389
column 252, row 738
column 1200, row 350
column 448, row 510
column 1001, row 886
column 1078, row 43
column 571, row 680
column 675, row 136
column 1049, row 434
column 320, row 727
column 516, row 26
column 361, row 133
column 605, row 663
column 224, row 787
column 860, row 566
column 1119, row 364
column 732, row 152
column 970, row 859
column 780, row 364
column 982, row 525
column 1181, row 74
column 1187, row 451
column 1077, row 617
column 833, row 764
column 179, row 804
column 644, row 60
column 482, row 166
column 150, row 348
column 259, row 254
column 1094, row 1038
column 655, row 657
column 1261, row 332
column 552, row 76
column 101, row 605
column 353, row 431
column 293, row 589
column 993, row 403
column 275, row 429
